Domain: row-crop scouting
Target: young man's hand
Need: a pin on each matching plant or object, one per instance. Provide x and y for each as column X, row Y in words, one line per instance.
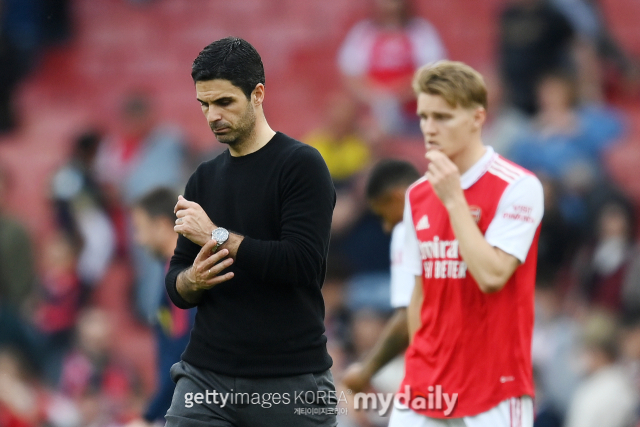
column 444, row 177
column 193, row 223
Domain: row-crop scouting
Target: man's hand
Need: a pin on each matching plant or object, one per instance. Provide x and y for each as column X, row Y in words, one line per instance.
column 444, row 177
column 356, row 378
column 204, row 273
column 193, row 223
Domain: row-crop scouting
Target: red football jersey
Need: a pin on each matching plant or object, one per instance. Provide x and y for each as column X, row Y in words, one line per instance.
column 474, row 344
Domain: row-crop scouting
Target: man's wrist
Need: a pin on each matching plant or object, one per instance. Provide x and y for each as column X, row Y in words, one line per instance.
column 233, row 244
column 185, row 286
column 187, row 281
column 455, row 203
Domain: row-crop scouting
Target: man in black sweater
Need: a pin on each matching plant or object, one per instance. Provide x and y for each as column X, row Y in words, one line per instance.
column 254, row 229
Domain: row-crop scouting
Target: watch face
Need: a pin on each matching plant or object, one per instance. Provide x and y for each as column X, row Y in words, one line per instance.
column 220, row 235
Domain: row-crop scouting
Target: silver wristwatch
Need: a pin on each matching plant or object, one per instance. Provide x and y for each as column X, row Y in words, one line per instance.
column 220, row 235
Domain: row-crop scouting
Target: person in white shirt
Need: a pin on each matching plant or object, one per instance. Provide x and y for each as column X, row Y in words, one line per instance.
column 378, row 58
column 385, row 192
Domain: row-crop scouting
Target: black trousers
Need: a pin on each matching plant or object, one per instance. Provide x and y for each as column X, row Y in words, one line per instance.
column 204, row 398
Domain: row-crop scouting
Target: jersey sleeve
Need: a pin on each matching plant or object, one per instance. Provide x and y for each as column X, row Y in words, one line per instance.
column 411, row 259
column 402, row 281
column 518, row 215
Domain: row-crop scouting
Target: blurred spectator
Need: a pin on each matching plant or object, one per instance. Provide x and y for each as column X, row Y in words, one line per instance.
column 17, row 278
column 378, row 59
column 57, row 302
column 567, row 142
column 339, row 140
column 24, row 402
column 9, row 75
column 153, row 220
column 631, row 285
column 607, row 396
column 56, row 26
column 600, row 59
column 81, row 209
column 601, row 266
column 366, row 326
column 555, row 353
column 147, row 155
column 558, row 238
column 534, row 39
column 17, row 271
column 347, row 155
column 630, row 347
column 356, row 237
column 25, row 26
column 504, row 121
column 102, row 387
column 18, row 398
column 19, row 39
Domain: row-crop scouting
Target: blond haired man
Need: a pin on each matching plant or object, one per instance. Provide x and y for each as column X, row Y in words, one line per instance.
column 472, row 224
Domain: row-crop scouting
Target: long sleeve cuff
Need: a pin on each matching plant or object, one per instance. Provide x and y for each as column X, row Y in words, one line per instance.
column 171, row 285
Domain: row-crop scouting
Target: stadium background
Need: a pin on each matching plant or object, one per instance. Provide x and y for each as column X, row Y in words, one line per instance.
column 117, row 47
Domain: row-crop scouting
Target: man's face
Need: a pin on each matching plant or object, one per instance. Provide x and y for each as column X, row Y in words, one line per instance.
column 146, row 231
column 389, row 206
column 445, row 128
column 230, row 114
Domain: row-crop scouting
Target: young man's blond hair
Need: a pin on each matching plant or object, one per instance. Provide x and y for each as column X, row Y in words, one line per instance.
column 456, row 82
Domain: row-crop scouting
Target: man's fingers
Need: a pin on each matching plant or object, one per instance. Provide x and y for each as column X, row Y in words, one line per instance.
column 219, row 279
column 432, row 154
column 216, row 271
column 439, row 160
column 434, row 170
column 429, row 176
column 436, row 158
column 180, row 213
column 216, row 262
column 175, row 208
column 205, row 251
column 183, row 204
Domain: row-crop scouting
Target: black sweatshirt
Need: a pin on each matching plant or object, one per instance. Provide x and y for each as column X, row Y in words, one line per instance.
column 268, row 320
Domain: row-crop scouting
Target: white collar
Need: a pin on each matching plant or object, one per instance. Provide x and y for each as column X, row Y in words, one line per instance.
column 475, row 172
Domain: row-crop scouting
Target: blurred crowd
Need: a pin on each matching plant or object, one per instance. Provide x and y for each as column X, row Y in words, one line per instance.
column 553, row 96
column 27, row 27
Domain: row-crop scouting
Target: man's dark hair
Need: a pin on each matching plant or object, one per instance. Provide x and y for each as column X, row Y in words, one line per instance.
column 158, row 203
column 232, row 59
column 388, row 174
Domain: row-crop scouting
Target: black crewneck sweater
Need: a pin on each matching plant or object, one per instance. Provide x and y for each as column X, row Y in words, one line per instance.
column 268, row 320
